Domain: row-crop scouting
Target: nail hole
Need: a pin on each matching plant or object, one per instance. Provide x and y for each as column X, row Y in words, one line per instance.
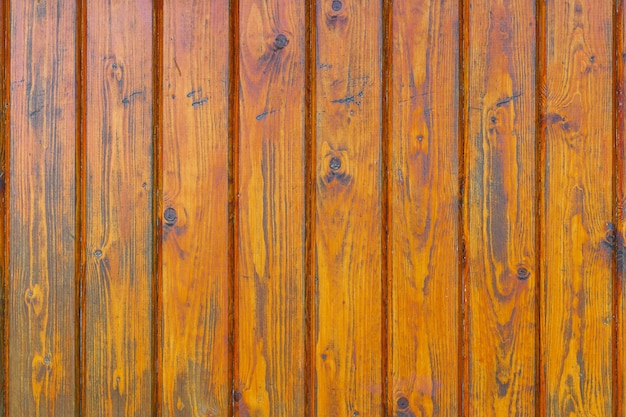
column 335, row 163
column 98, row 253
column 337, row 5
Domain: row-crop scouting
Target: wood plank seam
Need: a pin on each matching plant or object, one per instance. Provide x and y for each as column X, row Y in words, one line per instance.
column 463, row 380
column 310, row 204
column 81, row 192
column 386, row 207
column 157, row 206
column 540, row 85
column 233, row 198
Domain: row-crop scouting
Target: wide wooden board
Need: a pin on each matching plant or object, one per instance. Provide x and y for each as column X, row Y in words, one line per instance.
column 194, row 212
column 424, row 209
column 118, row 327
column 270, row 353
column 578, row 235
column 500, row 208
column 42, row 215
column 348, row 217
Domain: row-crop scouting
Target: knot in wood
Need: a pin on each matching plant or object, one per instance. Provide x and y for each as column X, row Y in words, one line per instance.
column 335, row 163
column 403, row 403
column 281, row 41
column 522, row 273
column 170, row 216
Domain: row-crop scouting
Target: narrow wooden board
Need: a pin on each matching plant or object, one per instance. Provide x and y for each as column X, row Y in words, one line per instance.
column 270, row 374
column 348, row 320
column 42, row 355
column 577, row 231
column 5, row 145
column 119, row 228
column 195, row 209
column 619, row 118
column 425, row 210
column 500, row 208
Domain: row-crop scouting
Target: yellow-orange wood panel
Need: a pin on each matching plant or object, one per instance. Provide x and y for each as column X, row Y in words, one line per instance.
column 348, row 230
column 425, row 210
column 194, row 211
column 577, row 205
column 117, row 323
column 619, row 301
column 500, row 207
column 5, row 144
column 41, row 213
column 324, row 208
column 269, row 338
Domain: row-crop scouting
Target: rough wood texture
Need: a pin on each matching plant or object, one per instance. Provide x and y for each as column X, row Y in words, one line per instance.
column 348, row 203
column 195, row 208
column 500, row 208
column 42, row 219
column 5, row 144
column 333, row 208
column 270, row 272
column 119, row 235
column 619, row 293
column 577, row 230
column 424, row 173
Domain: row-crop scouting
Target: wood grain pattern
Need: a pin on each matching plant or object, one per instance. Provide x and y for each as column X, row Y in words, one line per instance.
column 326, row 208
column 577, row 233
column 119, row 235
column 500, row 209
column 348, row 202
column 619, row 120
column 42, row 213
column 424, row 169
column 270, row 271
column 5, row 144
column 195, row 208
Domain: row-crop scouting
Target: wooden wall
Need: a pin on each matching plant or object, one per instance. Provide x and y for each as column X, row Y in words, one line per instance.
column 312, row 208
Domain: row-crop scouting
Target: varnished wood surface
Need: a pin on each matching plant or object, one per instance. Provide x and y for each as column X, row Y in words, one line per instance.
column 269, row 373
column 578, row 233
column 500, row 208
column 5, row 144
column 42, row 214
column 348, row 229
column 194, row 212
column 331, row 208
column 118, row 345
column 423, row 172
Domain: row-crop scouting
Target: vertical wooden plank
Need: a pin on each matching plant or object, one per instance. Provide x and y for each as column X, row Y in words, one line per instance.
column 195, row 208
column 43, row 218
column 500, row 209
column 41, row 302
column 5, row 145
column 270, row 271
column 119, row 234
column 619, row 295
column 348, row 202
column 577, row 230
column 425, row 213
